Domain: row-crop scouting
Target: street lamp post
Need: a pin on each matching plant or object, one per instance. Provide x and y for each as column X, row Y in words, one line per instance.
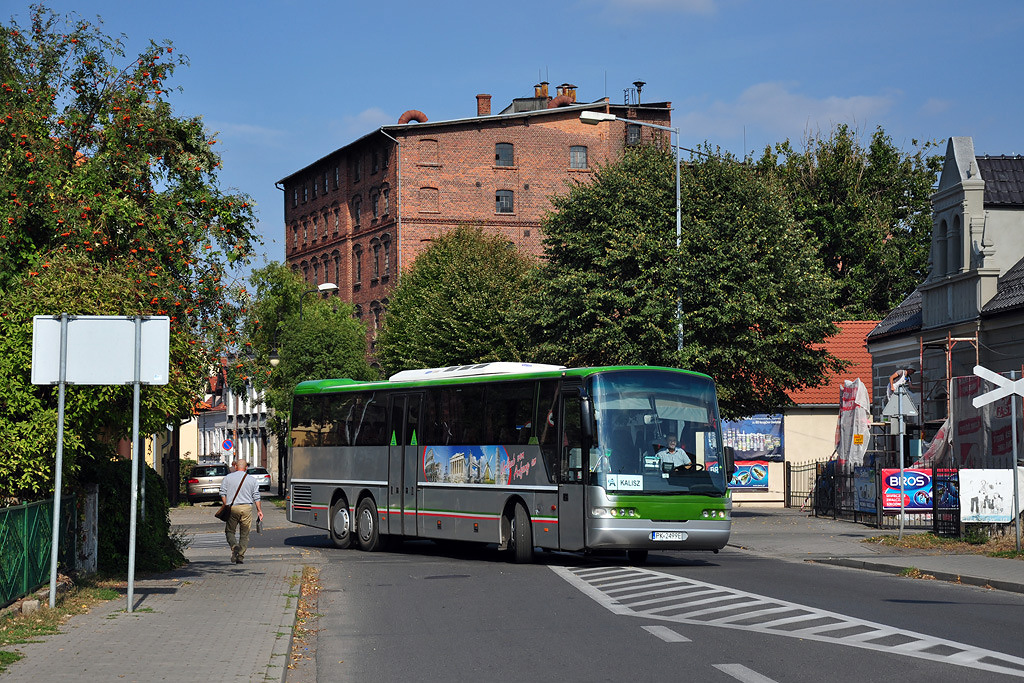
column 325, row 287
column 595, row 117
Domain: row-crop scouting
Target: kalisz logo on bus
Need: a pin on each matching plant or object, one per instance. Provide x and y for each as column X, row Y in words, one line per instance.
column 912, row 479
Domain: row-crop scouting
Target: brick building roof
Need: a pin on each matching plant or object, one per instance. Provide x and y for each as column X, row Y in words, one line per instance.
column 849, row 345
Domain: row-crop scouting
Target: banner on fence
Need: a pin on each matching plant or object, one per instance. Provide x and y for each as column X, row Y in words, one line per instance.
column 917, row 490
column 750, row 475
column 986, row 496
column 756, row 438
column 864, row 488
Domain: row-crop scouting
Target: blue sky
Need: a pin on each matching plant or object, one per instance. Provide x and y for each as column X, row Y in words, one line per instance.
column 287, row 82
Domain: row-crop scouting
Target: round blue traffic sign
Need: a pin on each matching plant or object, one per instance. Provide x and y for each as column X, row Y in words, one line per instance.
column 227, row 444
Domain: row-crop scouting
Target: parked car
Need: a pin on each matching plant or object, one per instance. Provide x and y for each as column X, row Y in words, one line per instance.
column 204, row 482
column 262, row 476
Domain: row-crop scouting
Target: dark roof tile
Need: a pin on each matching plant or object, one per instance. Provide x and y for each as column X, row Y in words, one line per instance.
column 1004, row 179
column 1010, row 292
column 904, row 318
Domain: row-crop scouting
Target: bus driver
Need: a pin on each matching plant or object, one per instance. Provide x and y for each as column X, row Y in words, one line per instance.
column 672, row 456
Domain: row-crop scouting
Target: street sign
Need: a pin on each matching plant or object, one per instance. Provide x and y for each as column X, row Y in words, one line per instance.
column 227, row 445
column 900, row 403
column 1004, row 386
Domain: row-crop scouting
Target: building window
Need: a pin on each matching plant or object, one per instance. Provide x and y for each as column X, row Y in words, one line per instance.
column 314, row 228
column 357, row 170
column 357, row 206
column 632, row 134
column 337, row 172
column 386, row 242
column 428, row 152
column 503, row 154
column 503, row 201
column 305, row 231
column 295, row 236
column 375, row 310
column 337, row 268
column 375, row 205
column 305, row 193
column 375, row 161
column 357, row 261
column 387, row 200
column 337, row 220
column 314, row 188
column 316, row 272
column 376, row 260
column 385, row 158
column 295, row 195
column 577, row 156
column 325, row 182
column 429, row 200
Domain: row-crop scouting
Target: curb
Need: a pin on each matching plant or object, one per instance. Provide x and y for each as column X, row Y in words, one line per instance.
column 949, row 577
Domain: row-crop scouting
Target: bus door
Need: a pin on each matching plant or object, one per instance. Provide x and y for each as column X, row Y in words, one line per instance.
column 403, row 463
column 572, row 475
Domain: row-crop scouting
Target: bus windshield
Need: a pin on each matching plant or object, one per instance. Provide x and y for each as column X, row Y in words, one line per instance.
column 656, row 432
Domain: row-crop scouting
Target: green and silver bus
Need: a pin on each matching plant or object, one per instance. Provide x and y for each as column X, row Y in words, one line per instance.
column 517, row 454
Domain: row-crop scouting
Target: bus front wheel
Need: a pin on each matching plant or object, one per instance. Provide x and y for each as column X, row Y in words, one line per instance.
column 341, row 524
column 367, row 528
column 522, row 536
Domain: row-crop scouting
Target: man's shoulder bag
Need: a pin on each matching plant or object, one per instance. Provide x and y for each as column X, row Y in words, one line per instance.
column 225, row 510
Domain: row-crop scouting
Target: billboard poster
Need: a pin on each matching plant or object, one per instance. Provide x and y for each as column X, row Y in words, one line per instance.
column 986, row 496
column 864, row 488
column 750, row 475
column 917, row 490
column 756, row 438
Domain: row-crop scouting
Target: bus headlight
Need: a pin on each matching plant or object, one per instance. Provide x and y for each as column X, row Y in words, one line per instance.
column 614, row 512
column 713, row 514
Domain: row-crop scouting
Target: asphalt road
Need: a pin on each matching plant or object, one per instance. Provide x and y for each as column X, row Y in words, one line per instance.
column 427, row 612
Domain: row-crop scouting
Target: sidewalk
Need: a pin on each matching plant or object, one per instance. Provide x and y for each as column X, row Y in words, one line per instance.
column 210, row 620
column 789, row 534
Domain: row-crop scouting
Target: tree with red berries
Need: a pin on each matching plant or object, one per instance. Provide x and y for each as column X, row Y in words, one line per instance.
column 101, row 182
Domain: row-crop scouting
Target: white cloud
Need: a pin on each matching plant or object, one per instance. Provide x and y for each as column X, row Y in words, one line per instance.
column 249, row 133
column 934, row 106
column 349, row 128
column 776, row 111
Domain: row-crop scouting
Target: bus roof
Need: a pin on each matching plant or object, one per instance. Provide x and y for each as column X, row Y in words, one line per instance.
column 435, row 377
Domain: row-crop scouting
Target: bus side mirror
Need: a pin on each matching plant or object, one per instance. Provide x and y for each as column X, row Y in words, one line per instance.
column 586, row 422
column 730, row 461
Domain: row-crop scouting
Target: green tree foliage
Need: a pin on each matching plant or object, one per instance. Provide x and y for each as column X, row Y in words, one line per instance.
column 753, row 294
column 870, row 210
column 97, row 173
column 313, row 338
column 459, row 303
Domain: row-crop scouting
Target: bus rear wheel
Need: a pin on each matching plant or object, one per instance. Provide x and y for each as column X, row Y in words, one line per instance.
column 367, row 529
column 341, row 525
column 521, row 536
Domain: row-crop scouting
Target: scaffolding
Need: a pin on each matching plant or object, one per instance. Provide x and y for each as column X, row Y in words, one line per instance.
column 936, row 393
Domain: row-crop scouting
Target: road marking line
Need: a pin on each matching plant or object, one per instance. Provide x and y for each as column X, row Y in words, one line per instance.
column 742, row 673
column 666, row 634
column 687, row 602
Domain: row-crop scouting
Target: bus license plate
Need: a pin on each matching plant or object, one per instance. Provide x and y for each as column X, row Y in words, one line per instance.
column 668, row 536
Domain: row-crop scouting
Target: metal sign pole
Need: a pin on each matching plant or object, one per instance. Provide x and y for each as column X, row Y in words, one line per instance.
column 899, row 436
column 1013, row 465
column 135, row 463
column 58, row 475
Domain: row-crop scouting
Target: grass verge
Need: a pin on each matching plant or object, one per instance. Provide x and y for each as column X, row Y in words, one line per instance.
column 304, row 633
column 997, row 546
column 17, row 628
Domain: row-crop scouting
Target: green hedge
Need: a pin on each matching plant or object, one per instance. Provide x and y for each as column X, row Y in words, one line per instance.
column 155, row 549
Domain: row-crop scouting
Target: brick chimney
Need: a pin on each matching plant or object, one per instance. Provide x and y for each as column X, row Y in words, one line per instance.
column 483, row 105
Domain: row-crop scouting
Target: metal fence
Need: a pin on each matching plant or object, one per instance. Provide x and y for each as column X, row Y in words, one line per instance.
column 855, row 495
column 26, row 536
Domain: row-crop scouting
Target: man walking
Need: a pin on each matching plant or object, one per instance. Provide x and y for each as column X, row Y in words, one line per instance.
column 241, row 492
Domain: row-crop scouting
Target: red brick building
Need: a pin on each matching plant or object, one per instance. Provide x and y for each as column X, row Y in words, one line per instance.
column 358, row 216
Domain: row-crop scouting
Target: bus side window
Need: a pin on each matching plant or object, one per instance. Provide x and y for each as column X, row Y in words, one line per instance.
column 572, row 440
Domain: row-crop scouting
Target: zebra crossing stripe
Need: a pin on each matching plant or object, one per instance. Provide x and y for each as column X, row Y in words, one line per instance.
column 638, row 592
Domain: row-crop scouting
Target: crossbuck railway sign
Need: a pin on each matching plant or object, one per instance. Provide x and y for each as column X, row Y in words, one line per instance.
column 1004, row 386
